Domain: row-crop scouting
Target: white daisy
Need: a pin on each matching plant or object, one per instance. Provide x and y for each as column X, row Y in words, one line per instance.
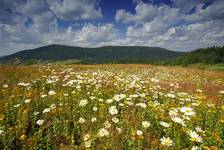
column 119, row 130
column 16, row 105
column 195, row 148
column 115, row 119
column 88, row 144
column 5, row 86
column 178, row 120
column 1, row 132
column 221, row 92
column 164, row 124
column 145, row 124
column 139, row 132
column 93, row 119
column 27, row 101
column 166, row 141
column 119, row 97
column 187, row 111
column 195, row 137
column 40, row 122
column 107, row 124
column 82, row 120
column 142, row 105
column 86, row 137
column 113, row 110
column 103, row 132
column 109, row 101
column 51, row 92
column 46, row 110
column 83, row 103
column 95, row 108
column 170, row 95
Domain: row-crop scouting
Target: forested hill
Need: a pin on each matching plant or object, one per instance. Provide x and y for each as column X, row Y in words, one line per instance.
column 119, row 54
column 108, row 54
column 210, row 55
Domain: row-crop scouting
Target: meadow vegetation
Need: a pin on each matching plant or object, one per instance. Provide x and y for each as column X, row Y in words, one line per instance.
column 130, row 107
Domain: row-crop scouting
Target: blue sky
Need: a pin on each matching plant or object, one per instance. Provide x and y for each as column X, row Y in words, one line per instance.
column 179, row 25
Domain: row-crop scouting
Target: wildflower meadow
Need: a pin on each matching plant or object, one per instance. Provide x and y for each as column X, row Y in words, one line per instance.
column 113, row 107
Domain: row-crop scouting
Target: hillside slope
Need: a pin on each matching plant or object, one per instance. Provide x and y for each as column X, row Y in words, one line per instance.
column 108, row 54
column 210, row 55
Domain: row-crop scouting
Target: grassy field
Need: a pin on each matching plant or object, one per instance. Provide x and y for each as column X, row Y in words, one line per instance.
column 130, row 107
column 216, row 67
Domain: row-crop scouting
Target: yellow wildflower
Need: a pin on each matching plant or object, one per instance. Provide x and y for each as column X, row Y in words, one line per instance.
column 23, row 137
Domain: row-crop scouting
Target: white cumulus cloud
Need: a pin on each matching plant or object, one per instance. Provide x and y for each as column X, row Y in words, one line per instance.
column 75, row 9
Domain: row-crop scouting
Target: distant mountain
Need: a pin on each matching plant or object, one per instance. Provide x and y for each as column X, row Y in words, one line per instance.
column 107, row 54
column 210, row 55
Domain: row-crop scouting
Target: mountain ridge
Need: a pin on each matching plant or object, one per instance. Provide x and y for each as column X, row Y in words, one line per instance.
column 105, row 54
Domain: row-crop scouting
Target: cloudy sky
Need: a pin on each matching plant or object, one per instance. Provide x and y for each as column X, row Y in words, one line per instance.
column 180, row 25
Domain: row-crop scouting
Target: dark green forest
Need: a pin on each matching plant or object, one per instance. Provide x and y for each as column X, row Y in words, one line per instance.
column 210, row 55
